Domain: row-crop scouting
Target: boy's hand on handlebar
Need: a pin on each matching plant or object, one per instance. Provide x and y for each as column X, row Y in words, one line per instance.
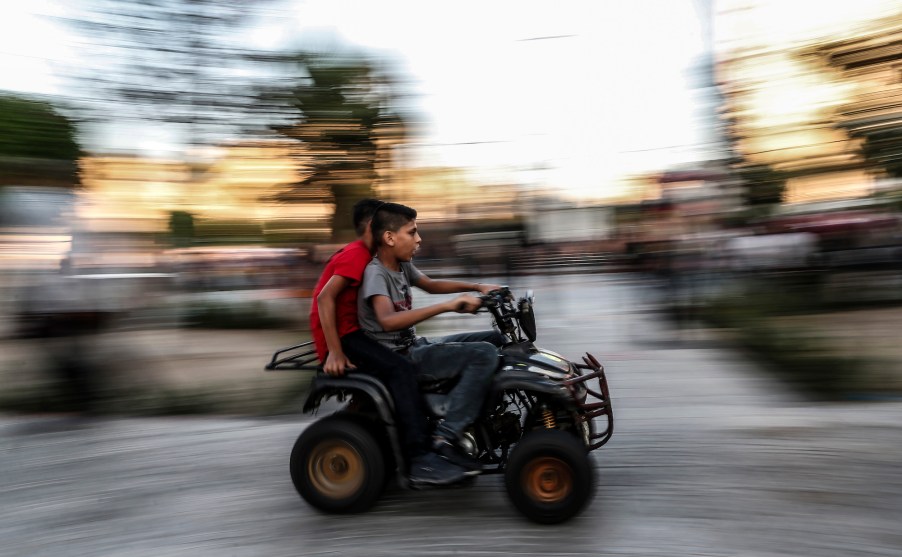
column 336, row 364
column 466, row 304
column 486, row 289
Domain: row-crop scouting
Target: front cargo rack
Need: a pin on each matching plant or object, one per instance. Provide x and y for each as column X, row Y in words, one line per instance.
column 600, row 406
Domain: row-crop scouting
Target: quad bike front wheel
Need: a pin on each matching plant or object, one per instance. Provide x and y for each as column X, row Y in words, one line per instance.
column 338, row 466
column 549, row 476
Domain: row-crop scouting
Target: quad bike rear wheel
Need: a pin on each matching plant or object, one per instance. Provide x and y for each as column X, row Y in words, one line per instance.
column 549, row 476
column 338, row 466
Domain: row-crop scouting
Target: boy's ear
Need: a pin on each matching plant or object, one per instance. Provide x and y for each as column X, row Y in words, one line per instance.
column 388, row 238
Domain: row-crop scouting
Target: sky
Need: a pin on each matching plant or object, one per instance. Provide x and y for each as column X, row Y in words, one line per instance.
column 569, row 94
column 27, row 48
column 573, row 95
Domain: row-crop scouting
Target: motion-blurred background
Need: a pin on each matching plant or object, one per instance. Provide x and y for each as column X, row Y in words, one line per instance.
column 173, row 173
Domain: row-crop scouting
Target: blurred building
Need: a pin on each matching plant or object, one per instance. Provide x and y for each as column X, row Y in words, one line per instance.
column 35, row 227
column 124, row 208
column 818, row 160
column 442, row 194
column 551, row 221
column 241, row 182
column 122, row 211
column 873, row 114
column 248, row 194
column 700, row 195
column 803, row 96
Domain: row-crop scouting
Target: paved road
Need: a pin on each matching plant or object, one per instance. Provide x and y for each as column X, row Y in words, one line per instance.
column 710, row 458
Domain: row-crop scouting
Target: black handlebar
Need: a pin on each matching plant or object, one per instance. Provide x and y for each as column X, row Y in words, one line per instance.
column 496, row 297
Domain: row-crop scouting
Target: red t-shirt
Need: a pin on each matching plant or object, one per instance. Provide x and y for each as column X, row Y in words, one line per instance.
column 348, row 262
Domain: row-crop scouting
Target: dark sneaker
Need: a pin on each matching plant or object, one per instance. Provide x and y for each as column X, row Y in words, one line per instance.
column 452, row 453
column 432, row 470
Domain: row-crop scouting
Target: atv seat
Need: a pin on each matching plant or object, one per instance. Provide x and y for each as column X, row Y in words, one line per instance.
column 302, row 357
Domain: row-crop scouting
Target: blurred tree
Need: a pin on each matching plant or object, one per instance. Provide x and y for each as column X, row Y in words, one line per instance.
column 184, row 63
column 867, row 62
column 347, row 120
column 883, row 149
column 762, row 185
column 181, row 228
column 37, row 144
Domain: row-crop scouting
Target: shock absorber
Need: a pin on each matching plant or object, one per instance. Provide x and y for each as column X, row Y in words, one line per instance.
column 548, row 419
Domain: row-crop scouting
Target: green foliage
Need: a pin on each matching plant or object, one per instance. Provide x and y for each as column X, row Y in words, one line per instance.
column 222, row 316
column 799, row 356
column 291, row 233
column 175, row 63
column 883, row 148
column 135, row 401
column 763, row 185
column 228, row 232
column 345, row 117
column 37, row 144
column 181, row 228
column 185, row 231
column 33, row 129
column 143, row 400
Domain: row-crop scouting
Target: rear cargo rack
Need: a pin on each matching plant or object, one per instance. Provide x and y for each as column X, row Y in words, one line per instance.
column 298, row 357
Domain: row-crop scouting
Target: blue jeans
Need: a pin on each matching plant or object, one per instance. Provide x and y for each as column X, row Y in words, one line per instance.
column 474, row 362
column 494, row 337
column 399, row 376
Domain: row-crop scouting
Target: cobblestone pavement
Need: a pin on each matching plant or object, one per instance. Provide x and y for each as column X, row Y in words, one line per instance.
column 709, row 457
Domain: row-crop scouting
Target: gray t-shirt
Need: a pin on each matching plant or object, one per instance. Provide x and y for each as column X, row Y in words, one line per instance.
column 380, row 281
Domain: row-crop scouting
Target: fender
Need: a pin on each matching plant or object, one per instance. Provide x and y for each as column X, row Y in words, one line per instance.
column 511, row 379
column 324, row 385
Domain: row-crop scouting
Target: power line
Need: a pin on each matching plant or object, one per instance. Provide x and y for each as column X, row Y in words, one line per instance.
column 549, row 37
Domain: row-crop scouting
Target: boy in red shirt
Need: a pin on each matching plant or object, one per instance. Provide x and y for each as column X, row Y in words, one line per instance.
column 341, row 345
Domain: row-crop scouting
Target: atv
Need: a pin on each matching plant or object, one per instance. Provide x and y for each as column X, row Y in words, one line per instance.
column 538, row 425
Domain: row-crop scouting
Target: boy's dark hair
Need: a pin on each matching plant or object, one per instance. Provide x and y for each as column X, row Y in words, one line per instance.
column 390, row 216
column 363, row 212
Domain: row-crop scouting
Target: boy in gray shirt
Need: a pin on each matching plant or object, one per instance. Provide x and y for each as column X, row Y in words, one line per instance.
column 386, row 314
